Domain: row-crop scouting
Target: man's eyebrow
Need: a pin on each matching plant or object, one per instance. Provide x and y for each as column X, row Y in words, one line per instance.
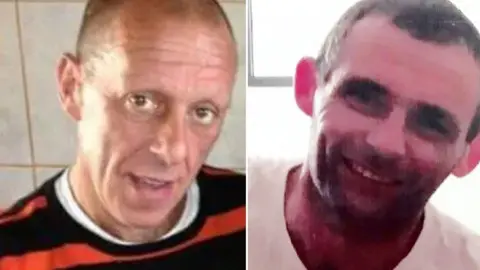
column 372, row 84
column 218, row 104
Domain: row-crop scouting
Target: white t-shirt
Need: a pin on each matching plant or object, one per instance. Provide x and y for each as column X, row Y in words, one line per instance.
column 443, row 244
column 68, row 202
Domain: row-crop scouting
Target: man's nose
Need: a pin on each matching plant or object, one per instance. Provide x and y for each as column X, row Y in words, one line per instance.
column 170, row 143
column 388, row 136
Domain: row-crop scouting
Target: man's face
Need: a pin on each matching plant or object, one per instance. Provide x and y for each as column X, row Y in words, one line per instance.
column 150, row 115
column 389, row 125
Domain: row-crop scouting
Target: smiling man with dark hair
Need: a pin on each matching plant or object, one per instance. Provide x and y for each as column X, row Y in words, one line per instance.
column 149, row 88
column 394, row 96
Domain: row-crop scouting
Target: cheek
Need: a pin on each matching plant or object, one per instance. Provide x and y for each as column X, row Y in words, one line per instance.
column 125, row 137
column 101, row 127
column 131, row 135
column 201, row 142
column 94, row 130
column 111, row 140
column 442, row 156
column 423, row 150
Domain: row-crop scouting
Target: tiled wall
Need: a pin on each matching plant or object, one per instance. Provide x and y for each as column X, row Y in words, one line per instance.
column 36, row 137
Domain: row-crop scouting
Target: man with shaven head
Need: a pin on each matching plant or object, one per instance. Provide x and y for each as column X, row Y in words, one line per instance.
column 148, row 87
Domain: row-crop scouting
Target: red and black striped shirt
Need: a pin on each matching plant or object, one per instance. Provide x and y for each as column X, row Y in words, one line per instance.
column 36, row 233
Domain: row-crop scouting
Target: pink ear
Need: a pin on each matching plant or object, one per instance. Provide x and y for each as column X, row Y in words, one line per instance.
column 474, row 154
column 305, row 84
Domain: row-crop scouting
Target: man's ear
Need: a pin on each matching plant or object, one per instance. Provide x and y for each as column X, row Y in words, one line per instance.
column 69, row 80
column 470, row 159
column 305, row 84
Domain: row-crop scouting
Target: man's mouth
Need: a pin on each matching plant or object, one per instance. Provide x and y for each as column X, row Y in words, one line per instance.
column 150, row 182
column 369, row 173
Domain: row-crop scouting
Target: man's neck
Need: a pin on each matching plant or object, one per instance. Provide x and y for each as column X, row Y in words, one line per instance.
column 87, row 198
column 320, row 248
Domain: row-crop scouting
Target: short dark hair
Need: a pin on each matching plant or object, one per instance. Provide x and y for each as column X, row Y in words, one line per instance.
column 435, row 21
column 98, row 17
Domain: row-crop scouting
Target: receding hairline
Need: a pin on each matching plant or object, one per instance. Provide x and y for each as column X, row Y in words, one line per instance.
column 404, row 15
column 101, row 17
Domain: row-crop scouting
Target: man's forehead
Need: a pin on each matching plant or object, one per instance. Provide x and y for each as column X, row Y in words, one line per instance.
column 378, row 31
column 172, row 61
column 175, row 43
column 200, row 23
column 191, row 39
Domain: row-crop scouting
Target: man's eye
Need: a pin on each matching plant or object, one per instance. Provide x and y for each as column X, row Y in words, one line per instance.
column 366, row 97
column 141, row 103
column 204, row 116
column 431, row 123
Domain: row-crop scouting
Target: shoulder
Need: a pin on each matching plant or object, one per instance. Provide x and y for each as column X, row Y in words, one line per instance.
column 229, row 177
column 453, row 230
column 220, row 180
column 264, row 168
column 267, row 181
column 23, row 223
column 221, row 190
column 222, row 203
column 447, row 226
column 268, row 241
column 20, row 223
column 453, row 245
column 268, row 174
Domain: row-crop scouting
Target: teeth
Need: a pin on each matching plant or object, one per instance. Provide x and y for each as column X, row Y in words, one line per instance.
column 367, row 173
column 153, row 183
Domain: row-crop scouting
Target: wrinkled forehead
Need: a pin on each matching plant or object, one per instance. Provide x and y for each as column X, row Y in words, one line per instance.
column 184, row 62
column 172, row 38
column 137, row 47
column 443, row 75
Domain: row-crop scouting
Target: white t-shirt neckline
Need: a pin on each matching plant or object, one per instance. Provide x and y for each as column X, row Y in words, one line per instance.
column 64, row 194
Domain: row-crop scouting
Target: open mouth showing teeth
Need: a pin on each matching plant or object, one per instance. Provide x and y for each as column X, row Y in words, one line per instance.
column 366, row 173
column 150, row 182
